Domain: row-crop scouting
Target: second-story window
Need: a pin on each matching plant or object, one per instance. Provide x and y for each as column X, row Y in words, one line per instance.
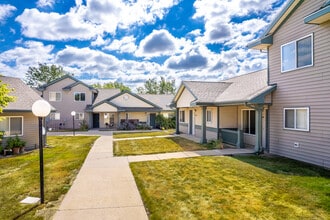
column 297, row 54
column 55, row 96
column 79, row 96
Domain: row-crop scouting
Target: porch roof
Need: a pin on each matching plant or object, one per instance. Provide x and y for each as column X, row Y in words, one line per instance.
column 251, row 88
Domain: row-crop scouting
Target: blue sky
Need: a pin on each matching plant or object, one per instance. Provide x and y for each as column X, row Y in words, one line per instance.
column 134, row 40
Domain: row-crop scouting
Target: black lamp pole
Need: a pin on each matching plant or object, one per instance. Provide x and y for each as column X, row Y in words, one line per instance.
column 73, row 125
column 41, row 163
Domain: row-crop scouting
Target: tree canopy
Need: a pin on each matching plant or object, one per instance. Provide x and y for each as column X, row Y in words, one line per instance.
column 5, row 98
column 43, row 74
column 152, row 86
column 112, row 85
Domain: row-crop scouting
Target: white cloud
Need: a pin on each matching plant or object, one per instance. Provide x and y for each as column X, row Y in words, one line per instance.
column 45, row 3
column 6, row 11
column 54, row 26
column 124, row 45
column 15, row 62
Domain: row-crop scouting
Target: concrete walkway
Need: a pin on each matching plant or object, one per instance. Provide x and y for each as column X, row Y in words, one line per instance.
column 105, row 187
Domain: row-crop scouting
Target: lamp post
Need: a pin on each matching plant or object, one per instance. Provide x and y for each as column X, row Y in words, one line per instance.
column 73, row 113
column 41, row 109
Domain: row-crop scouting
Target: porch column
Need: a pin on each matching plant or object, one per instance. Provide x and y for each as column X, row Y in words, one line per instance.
column 177, row 121
column 203, row 139
column 258, row 144
column 218, row 122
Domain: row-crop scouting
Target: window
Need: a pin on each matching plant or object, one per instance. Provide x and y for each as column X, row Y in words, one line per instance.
column 79, row 96
column 296, row 119
column 249, row 121
column 55, row 116
column 182, row 119
column 208, row 116
column 12, row 125
column 79, row 116
column 55, row 96
column 297, row 54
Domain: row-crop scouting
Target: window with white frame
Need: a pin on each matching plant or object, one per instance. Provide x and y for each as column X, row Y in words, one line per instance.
column 182, row 115
column 55, row 116
column 55, row 96
column 249, row 121
column 79, row 116
column 79, row 96
column 208, row 116
column 296, row 119
column 12, row 125
column 297, row 54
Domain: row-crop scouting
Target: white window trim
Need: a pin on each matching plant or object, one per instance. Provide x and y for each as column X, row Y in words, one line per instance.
column 9, row 126
column 209, row 111
column 74, row 96
column 295, row 41
column 295, row 124
column 79, row 118
column 242, row 121
column 55, row 113
column 180, row 118
column 55, row 96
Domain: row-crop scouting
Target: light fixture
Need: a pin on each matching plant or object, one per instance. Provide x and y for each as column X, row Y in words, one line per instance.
column 41, row 109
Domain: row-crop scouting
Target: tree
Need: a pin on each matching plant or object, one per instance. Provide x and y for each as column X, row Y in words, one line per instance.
column 112, row 85
column 5, row 98
column 43, row 74
column 152, row 86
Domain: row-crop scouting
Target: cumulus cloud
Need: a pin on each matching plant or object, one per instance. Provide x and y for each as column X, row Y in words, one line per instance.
column 159, row 42
column 45, row 3
column 5, row 12
column 187, row 61
column 124, row 45
column 54, row 26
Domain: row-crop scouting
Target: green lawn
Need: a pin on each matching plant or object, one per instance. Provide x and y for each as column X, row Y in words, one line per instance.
column 19, row 176
column 154, row 146
column 233, row 188
column 133, row 134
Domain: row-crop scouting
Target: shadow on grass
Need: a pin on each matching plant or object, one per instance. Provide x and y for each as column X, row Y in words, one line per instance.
column 282, row 165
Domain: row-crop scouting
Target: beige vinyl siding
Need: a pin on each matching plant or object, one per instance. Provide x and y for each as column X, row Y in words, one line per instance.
column 30, row 127
column 185, row 99
column 306, row 87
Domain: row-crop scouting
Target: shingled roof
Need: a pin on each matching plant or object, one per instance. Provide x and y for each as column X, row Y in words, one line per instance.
column 24, row 95
column 248, row 88
column 162, row 101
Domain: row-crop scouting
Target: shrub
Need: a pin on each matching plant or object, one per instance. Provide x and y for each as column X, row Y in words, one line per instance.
column 83, row 125
column 165, row 123
column 214, row 144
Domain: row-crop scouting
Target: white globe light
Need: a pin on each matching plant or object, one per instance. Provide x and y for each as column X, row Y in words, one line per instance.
column 73, row 113
column 41, row 108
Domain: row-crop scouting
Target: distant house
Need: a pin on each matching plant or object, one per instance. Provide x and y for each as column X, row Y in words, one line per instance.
column 100, row 108
column 17, row 117
column 298, row 46
column 235, row 109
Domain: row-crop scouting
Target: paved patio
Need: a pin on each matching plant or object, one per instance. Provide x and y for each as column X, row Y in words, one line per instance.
column 105, row 187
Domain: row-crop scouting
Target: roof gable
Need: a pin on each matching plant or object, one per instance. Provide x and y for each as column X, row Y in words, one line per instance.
column 68, row 87
column 131, row 100
column 25, row 96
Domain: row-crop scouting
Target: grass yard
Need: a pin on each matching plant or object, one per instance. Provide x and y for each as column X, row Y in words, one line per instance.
column 133, row 134
column 154, row 146
column 246, row 187
column 19, row 176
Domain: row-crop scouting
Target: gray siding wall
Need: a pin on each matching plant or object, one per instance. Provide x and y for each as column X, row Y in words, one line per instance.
column 68, row 104
column 306, row 87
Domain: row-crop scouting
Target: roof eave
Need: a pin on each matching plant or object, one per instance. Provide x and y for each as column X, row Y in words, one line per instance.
column 319, row 16
column 262, row 43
